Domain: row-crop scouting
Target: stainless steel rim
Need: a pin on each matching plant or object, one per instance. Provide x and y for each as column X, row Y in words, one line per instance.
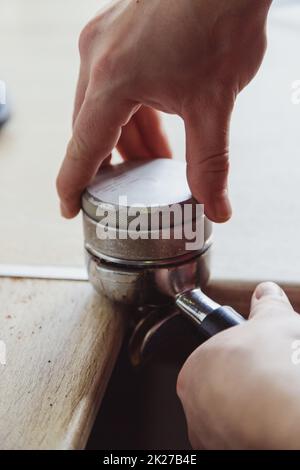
column 149, row 263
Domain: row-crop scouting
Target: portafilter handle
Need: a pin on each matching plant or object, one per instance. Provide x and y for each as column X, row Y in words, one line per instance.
column 209, row 317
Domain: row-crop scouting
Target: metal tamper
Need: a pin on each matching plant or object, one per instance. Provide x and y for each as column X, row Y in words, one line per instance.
column 148, row 243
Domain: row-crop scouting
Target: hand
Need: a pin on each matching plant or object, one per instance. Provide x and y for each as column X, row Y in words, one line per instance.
column 189, row 58
column 240, row 389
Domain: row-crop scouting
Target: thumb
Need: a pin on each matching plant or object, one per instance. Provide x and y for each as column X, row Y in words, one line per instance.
column 269, row 299
column 207, row 154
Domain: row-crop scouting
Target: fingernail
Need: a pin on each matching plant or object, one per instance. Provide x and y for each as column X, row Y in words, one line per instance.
column 222, row 207
column 268, row 289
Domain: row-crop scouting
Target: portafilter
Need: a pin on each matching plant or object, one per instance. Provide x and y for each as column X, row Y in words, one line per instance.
column 148, row 242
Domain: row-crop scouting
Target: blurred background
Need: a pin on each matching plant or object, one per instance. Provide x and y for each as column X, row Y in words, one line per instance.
column 39, row 63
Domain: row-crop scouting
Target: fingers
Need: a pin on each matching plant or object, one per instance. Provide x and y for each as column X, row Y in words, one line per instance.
column 207, row 141
column 150, row 126
column 96, row 132
column 131, row 144
column 143, row 136
column 268, row 298
column 80, row 91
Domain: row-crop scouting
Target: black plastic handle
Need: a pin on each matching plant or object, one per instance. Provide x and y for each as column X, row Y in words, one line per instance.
column 220, row 319
column 208, row 316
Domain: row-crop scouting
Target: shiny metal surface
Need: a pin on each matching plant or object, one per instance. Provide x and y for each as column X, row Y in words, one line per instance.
column 196, row 304
column 141, row 343
column 147, row 185
column 142, row 263
column 141, row 251
column 158, row 194
column 155, row 286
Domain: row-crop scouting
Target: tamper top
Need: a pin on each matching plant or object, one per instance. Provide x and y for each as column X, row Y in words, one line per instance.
column 143, row 211
column 146, row 185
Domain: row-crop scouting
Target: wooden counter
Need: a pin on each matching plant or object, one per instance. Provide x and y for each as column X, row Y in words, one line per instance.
column 62, row 341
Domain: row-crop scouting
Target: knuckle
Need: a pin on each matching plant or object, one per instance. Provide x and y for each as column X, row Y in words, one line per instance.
column 223, row 93
column 87, row 37
column 104, row 67
column 218, row 162
column 214, row 162
column 77, row 150
column 270, row 306
column 104, row 63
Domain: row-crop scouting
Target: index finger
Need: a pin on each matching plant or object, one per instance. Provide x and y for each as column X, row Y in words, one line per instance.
column 96, row 132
